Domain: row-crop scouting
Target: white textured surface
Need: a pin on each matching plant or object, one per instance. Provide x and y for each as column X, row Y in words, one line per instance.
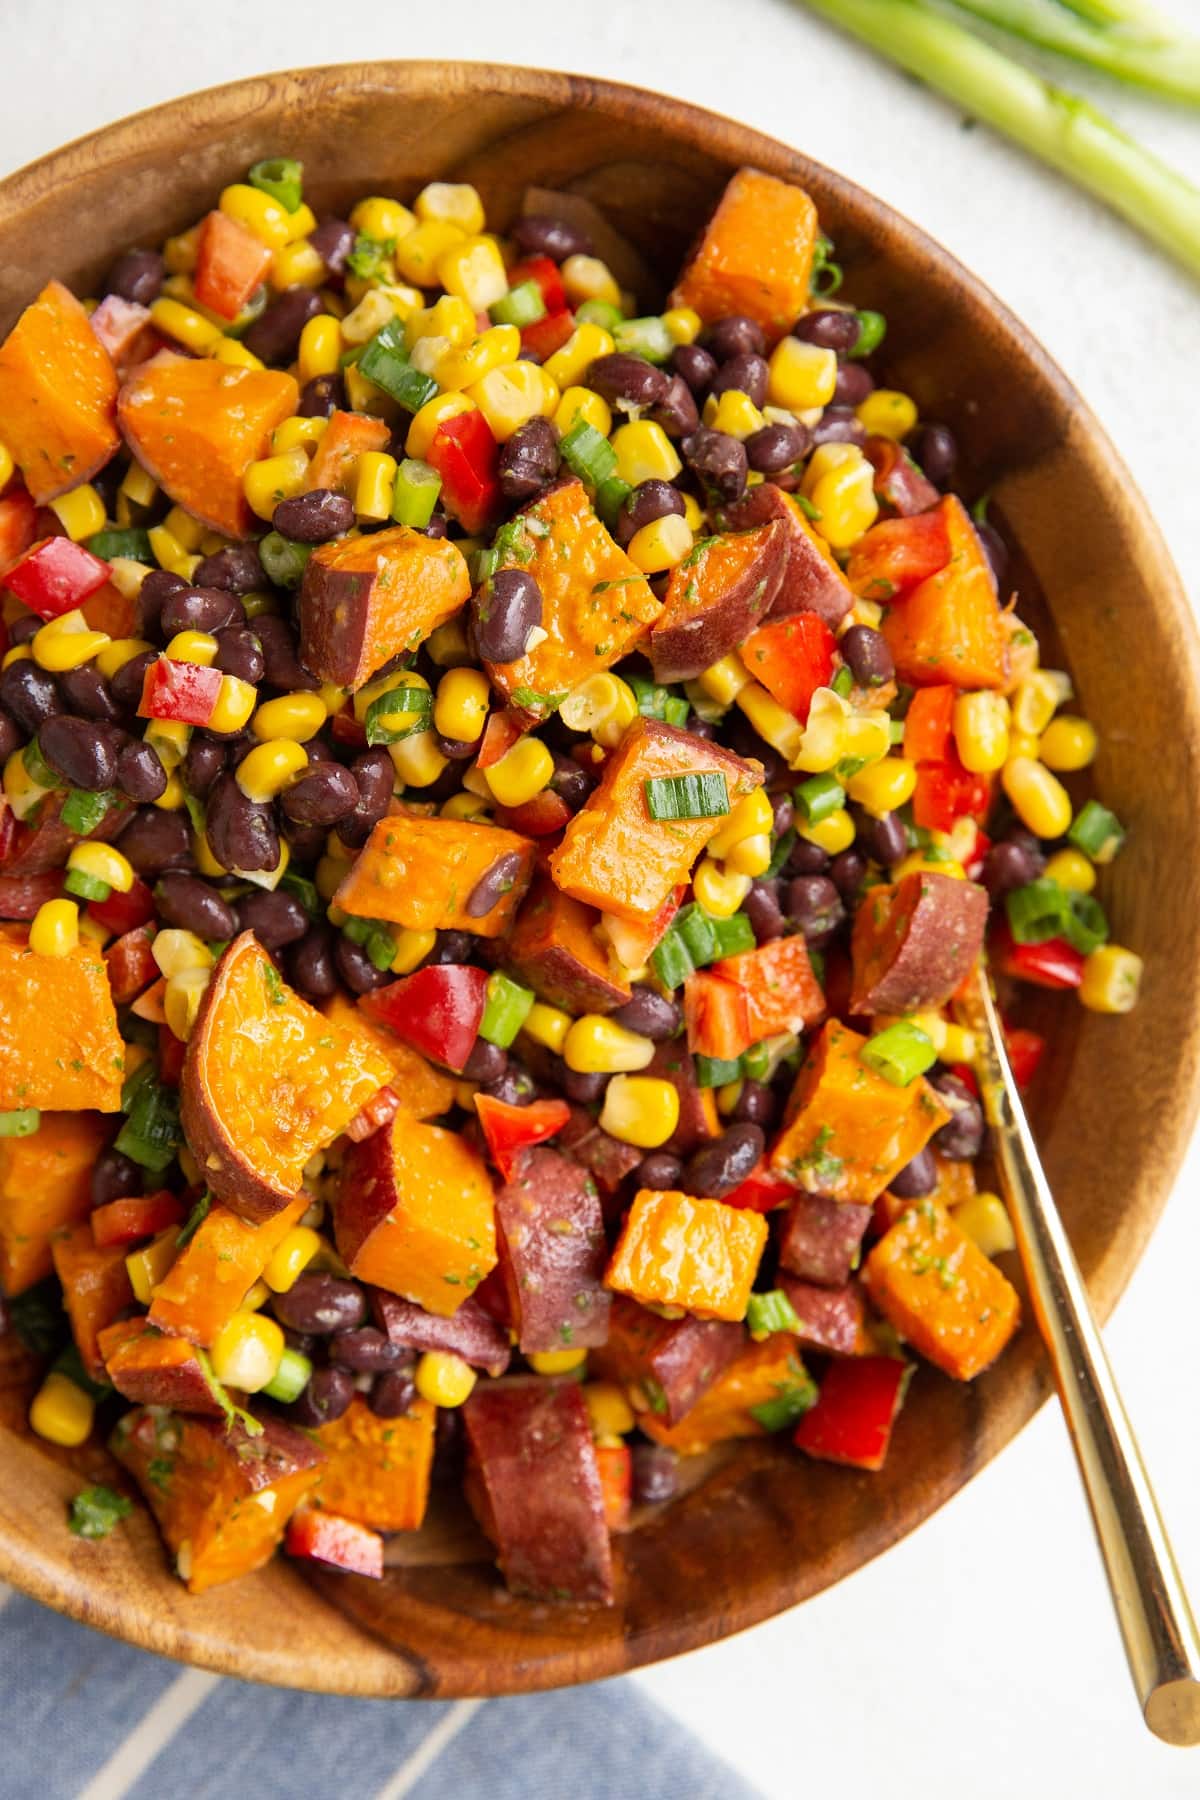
column 979, row 1656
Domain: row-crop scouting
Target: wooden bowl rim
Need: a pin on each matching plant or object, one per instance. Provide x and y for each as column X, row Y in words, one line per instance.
column 64, row 1581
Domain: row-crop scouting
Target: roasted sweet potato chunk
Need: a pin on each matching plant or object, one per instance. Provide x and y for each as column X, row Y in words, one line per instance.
column 59, row 1045
column 470, row 1333
column 152, row 1369
column 940, row 1291
column 376, row 1471
column 553, row 1251
column 769, row 1376
column 216, row 1269
column 755, row 256
column 95, row 1284
column 675, row 1250
column 950, row 627
column 914, row 942
column 365, row 599
column 58, row 395
column 45, row 1184
column 715, row 598
column 667, row 1364
column 422, row 1090
column 334, row 462
column 811, row 580
column 267, row 1082
column 555, row 949
column 426, row 874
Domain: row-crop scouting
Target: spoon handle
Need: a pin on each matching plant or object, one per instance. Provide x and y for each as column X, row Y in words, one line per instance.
column 1152, row 1607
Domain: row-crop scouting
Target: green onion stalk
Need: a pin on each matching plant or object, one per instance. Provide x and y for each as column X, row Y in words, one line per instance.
column 1064, row 130
column 1121, row 39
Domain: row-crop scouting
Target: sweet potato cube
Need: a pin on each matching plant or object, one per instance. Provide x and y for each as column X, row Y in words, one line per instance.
column 376, row 1471
column 613, row 854
column 848, row 1131
column 216, row 1269
column 915, row 941
column 267, row 1082
column 699, row 1120
column 365, row 599
column 553, row 1251
column 416, row 1215
column 196, row 426
column 95, row 1284
column 554, row 948
column 596, row 603
column 60, row 1049
column 58, row 395
column 832, row 1319
column 334, row 462
column 678, row 1251
column 768, row 1375
column 812, row 580
column 667, row 1364
column 950, row 628
column 940, row 1291
column 421, row 873
column 820, row 1239
column 755, row 256
column 423, row 1091
column 45, row 1184
column 152, row 1369
column 471, row 1332
column 222, row 1497
column 715, row 597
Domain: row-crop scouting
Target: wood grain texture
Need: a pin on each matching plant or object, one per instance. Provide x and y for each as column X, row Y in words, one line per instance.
column 761, row 1530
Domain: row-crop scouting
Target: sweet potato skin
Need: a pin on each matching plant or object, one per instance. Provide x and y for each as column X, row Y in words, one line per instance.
column 755, row 256
column 45, row 1184
column 58, row 394
column 613, row 855
column 678, row 1251
column 831, row 1319
column 95, row 1286
column 267, row 1081
column 914, row 942
column 151, row 1369
column 196, row 425
column 216, row 1269
column 550, row 1234
column 715, row 598
column 363, row 600
column 420, row 873
column 60, row 1049
column 376, row 1471
column 470, row 1333
column 424, row 1092
column 42, row 842
column 757, row 1375
column 667, row 1364
column 940, row 1291
column 811, row 580
column 554, row 949
column 819, row 1241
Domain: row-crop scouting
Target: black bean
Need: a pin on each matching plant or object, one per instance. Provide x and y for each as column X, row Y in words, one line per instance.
column 136, row 276
column 806, row 859
column 582, row 1087
column 153, row 595
column 486, row 1063
column 10, row 736
column 392, row 1394
column 83, row 752
column 783, row 814
column 854, row 382
column 311, row 965
column 648, row 501
column 28, row 694
column 275, row 334
column 776, row 447
column 541, row 234
column 935, row 447
column 319, row 1304
column 126, row 685
column 85, row 691
column 453, row 947
column 321, row 397
column 830, row 329
column 204, row 761
column 276, row 919
column 720, row 1166
column 756, row 1104
column 236, row 568
column 1010, row 864
column 695, row 366
column 282, row 667
column 374, row 777
column 493, row 884
column 140, row 775
column 114, row 1177
column 365, row 1349
column 650, row 1014
column 622, row 378
column 303, row 1341
column 700, row 728
column 995, row 549
column 962, row 1138
column 437, row 527
column 306, row 842
column 763, row 910
column 745, row 374
column 356, row 968
column 21, row 631
column 240, row 653
column 192, row 904
column 155, row 840
column 655, row 1474
column 515, row 1087
column 846, row 873
column 676, row 412
column 866, row 651
column 815, row 906
column 659, row 1170
column 200, row 609
column 839, row 425
column 718, row 461
column 528, row 460
column 735, row 335
column 323, row 795
column 504, row 611
column 241, row 833
column 333, row 240
column 918, row 1177
column 314, row 518
column 327, row 1396
column 885, row 839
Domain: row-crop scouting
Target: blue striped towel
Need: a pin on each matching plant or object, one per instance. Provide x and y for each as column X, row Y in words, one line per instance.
column 91, row 1719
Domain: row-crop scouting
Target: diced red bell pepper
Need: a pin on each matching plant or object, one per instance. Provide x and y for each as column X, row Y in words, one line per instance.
column 230, row 264
column 1052, row 964
column 1025, row 1051
column 968, row 1077
column 345, row 729
column 18, row 528
column 928, row 724
column 548, row 276
column 121, row 912
column 22, row 895
column 171, row 1051
column 946, row 792
column 542, row 816
column 897, row 555
column 898, row 480
column 438, row 1010
column 130, row 964
column 761, row 1191
column 857, row 1406
column 138, row 1216
column 55, row 577
column 511, row 1129
column 499, row 735
column 338, row 1543
column 973, row 862
column 614, row 1464
column 379, row 1111
column 548, row 334
column 183, row 691
column 467, row 457
column 792, row 658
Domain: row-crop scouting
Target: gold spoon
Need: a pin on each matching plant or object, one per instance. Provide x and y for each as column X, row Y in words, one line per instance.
column 1156, row 1621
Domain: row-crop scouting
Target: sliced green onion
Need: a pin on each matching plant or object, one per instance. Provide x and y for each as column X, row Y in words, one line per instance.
column 414, row 704
column 843, row 681
column 872, row 329
column 700, row 796
column 672, row 962
column 83, row 811
column 385, row 362
column 21, row 1123
column 522, row 305
column 283, row 559
column 819, row 797
column 1037, row 911
column 505, row 1010
column 756, row 1061
column 290, row 1378
column 716, row 1071
column 96, row 1510
column 131, row 542
column 895, row 731
column 282, row 177
column 783, row 849
column 826, row 276
column 151, row 1133
column 655, row 702
column 734, row 935
column 84, row 886
column 1096, row 831
column 367, row 260
column 769, row 1312
column 609, row 496
column 1123, row 40
column 648, row 338
column 900, row 1053
column 588, row 453
column 792, row 1401
column 194, row 1220
column 697, row 932
column 305, row 891
column 36, row 766
column 415, row 493
column 1087, row 925
column 37, row 1316
column 599, row 312
column 373, row 937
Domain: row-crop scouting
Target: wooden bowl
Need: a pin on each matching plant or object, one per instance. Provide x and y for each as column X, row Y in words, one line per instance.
column 764, row 1529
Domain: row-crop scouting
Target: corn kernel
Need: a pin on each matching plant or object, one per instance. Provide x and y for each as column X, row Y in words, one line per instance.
column 297, row 716
column 985, row 1220
column 425, row 422
column 319, row 349
column 62, row 1413
column 465, row 807
column 840, row 484
column 547, row 1025
column 169, row 553
column 270, row 767
column 298, row 433
column 150, row 1265
column 138, row 486
column 18, row 653
column 981, row 731
column 55, row 928
column 184, row 324
column 457, row 367
column 258, row 212
column 570, row 364
column 521, row 773
column 728, row 1097
column 301, row 223
column 290, row 1259
column 583, row 403
column 644, row 452
column 1112, row 979
column 719, row 891
column 447, row 646
column 661, row 545
column 274, row 478
column 867, row 736
column 587, row 278
column 398, row 681
column 175, row 951
column 823, row 740
column 443, row 1378
column 461, row 704
column 229, row 350
column 412, row 947
column 471, row 267
column 883, row 787
column 833, row 835
column 181, row 1001
column 102, row 862
column 417, row 761
column 380, row 217
column 297, row 265
column 887, row 413
column 752, row 856
column 375, row 481
column 247, row 1350
column 449, row 317
column 723, row 681
column 127, row 576
column 1038, row 798
column 773, row 723
column 1072, row 870
column 234, row 704
column 20, row 789
column 80, row 513
column 734, row 413
column 372, row 313
column 958, row 1044
column 510, row 396
column 1068, row 744
column 916, row 863
column 255, row 1297
column 185, row 528
column 595, row 1045
column 66, row 643
column 1038, row 698
column 92, row 931
column 169, row 738
column 608, row 1410
column 199, row 647
column 748, row 817
column 693, row 513
column 452, row 202
column 640, row 1109
column 556, row 1362
column 800, row 375
column 683, row 324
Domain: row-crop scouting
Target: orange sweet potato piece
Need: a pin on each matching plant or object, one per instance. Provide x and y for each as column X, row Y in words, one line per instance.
column 613, row 854
column 335, row 460
column 759, row 1375
column 151, row 1369
column 715, row 597
column 216, row 1269
column 110, row 610
column 423, row 1091
column 267, row 1082
column 416, row 1214
column 365, row 599
column 848, row 1131
column 596, row 603
column 950, row 628
column 230, row 263
column 421, row 873
column 915, row 941
column 554, row 948
column 756, row 255
column 940, row 1291
column 698, row 1254
column 376, row 1471
column 45, row 1184
column 95, row 1284
column 196, row 425
column 58, row 393
column 59, row 1045
column 222, row 1497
